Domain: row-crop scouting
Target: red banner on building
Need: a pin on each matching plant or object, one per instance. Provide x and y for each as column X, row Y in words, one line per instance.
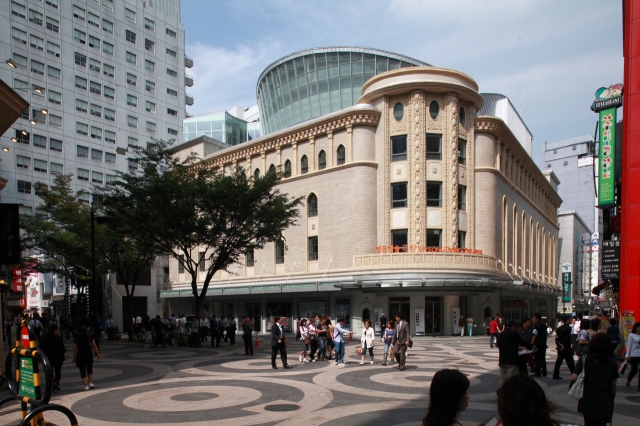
column 18, row 279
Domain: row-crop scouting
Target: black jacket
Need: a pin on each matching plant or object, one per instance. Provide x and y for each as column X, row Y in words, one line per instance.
column 53, row 348
column 275, row 333
column 563, row 336
column 508, row 342
column 540, row 330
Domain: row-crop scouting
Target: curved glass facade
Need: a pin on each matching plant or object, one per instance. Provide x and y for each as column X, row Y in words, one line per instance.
column 315, row 82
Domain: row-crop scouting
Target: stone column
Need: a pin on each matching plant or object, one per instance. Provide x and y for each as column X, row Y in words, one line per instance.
column 263, row 156
column 294, row 160
column 278, row 157
column 451, row 159
column 416, row 150
column 312, row 153
column 331, row 155
column 249, row 167
column 349, row 146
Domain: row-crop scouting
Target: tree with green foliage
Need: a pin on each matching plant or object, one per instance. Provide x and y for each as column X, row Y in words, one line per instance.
column 188, row 208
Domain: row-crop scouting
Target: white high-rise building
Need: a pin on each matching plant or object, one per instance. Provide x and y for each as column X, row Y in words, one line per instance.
column 101, row 76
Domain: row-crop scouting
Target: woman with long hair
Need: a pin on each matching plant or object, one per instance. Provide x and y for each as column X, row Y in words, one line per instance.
column 522, row 402
column 330, row 347
column 366, row 341
column 447, row 398
column 83, row 356
column 633, row 353
column 305, row 342
column 387, row 337
column 53, row 347
column 600, row 375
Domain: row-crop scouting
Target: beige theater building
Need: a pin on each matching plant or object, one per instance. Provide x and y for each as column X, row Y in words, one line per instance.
column 419, row 199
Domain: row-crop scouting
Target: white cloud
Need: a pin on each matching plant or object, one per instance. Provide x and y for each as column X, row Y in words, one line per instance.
column 225, row 77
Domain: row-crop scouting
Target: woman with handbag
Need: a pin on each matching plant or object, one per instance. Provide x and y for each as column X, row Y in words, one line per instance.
column 599, row 381
column 387, row 337
column 633, row 353
column 366, row 340
column 304, row 340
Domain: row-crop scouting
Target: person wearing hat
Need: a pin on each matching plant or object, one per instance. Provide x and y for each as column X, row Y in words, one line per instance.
column 509, row 343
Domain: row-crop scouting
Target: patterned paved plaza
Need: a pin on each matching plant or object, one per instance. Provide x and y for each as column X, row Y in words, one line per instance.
column 221, row 386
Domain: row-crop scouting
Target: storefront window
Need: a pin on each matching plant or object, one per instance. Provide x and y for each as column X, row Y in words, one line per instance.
column 310, row 309
column 343, row 310
column 254, row 310
column 282, row 309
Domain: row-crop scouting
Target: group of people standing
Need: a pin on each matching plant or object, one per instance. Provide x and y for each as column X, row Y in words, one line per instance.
column 321, row 340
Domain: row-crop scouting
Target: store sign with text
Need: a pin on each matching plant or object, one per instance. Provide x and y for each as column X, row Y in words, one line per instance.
column 566, row 282
column 606, row 104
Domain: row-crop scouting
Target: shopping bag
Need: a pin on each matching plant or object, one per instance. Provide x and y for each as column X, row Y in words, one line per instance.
column 391, row 353
column 577, row 390
column 623, row 367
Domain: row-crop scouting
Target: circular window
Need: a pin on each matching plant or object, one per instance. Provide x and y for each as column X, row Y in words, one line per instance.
column 463, row 116
column 398, row 111
column 434, row 109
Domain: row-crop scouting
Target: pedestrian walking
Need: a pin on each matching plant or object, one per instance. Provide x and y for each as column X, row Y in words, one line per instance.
column 539, row 341
column 401, row 339
column 298, row 329
column 614, row 333
column 322, row 330
column 633, row 353
column 304, row 340
column 493, row 327
column 83, row 356
column 331, row 346
column 563, row 346
column 278, row 344
column 387, row 338
column 110, row 324
column 204, row 328
column 233, row 328
column 462, row 323
column 147, row 332
column 366, row 341
column 383, row 324
column 158, row 330
column 173, row 320
column 194, row 340
column 225, row 328
column 313, row 339
column 448, row 396
column 469, row 325
column 522, row 402
column 215, row 333
column 600, row 375
column 53, row 347
column 487, row 324
column 338, row 341
column 247, row 335
column 584, row 337
column 575, row 330
column 509, row 344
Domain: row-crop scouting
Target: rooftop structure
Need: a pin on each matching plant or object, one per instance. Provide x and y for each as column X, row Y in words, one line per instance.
column 500, row 106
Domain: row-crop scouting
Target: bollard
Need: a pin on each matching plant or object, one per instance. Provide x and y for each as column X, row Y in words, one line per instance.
column 257, row 345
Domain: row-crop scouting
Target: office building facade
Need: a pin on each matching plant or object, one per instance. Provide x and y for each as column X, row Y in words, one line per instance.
column 101, row 77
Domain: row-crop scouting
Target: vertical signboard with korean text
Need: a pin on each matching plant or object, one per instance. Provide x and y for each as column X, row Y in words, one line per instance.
column 607, row 101
column 566, row 282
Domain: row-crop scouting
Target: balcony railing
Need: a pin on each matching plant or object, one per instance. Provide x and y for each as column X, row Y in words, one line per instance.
column 188, row 62
column 188, row 80
column 188, row 99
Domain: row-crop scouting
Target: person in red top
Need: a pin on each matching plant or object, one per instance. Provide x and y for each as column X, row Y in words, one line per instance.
column 493, row 330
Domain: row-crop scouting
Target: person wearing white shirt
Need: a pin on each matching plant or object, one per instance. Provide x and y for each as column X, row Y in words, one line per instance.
column 575, row 330
column 366, row 340
column 633, row 353
column 110, row 325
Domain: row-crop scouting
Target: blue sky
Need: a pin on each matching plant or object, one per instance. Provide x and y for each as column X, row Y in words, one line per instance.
column 547, row 56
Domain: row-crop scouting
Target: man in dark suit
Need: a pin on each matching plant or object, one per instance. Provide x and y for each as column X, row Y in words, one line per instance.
column 383, row 324
column 563, row 346
column 539, row 340
column 401, row 340
column 277, row 344
column 509, row 343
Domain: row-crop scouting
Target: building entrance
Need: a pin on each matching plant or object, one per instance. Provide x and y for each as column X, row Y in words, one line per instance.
column 397, row 305
column 433, row 315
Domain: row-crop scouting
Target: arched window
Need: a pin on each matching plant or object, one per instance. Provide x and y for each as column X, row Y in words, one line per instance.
column 287, row 168
column 312, row 205
column 366, row 315
column 304, row 164
column 322, row 160
column 341, row 155
column 256, row 174
column 272, row 169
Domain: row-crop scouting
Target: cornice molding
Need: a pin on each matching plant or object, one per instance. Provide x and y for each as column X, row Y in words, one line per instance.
column 349, row 118
column 498, row 128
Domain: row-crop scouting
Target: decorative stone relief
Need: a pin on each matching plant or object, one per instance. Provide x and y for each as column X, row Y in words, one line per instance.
column 312, row 226
column 399, row 172
column 434, row 171
column 452, row 108
column 399, row 219
column 462, row 175
column 313, row 267
column 417, row 157
column 387, row 168
column 396, row 126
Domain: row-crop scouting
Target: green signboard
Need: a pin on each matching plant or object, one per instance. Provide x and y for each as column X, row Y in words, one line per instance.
column 607, row 101
column 566, row 286
column 27, row 386
column 606, row 157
